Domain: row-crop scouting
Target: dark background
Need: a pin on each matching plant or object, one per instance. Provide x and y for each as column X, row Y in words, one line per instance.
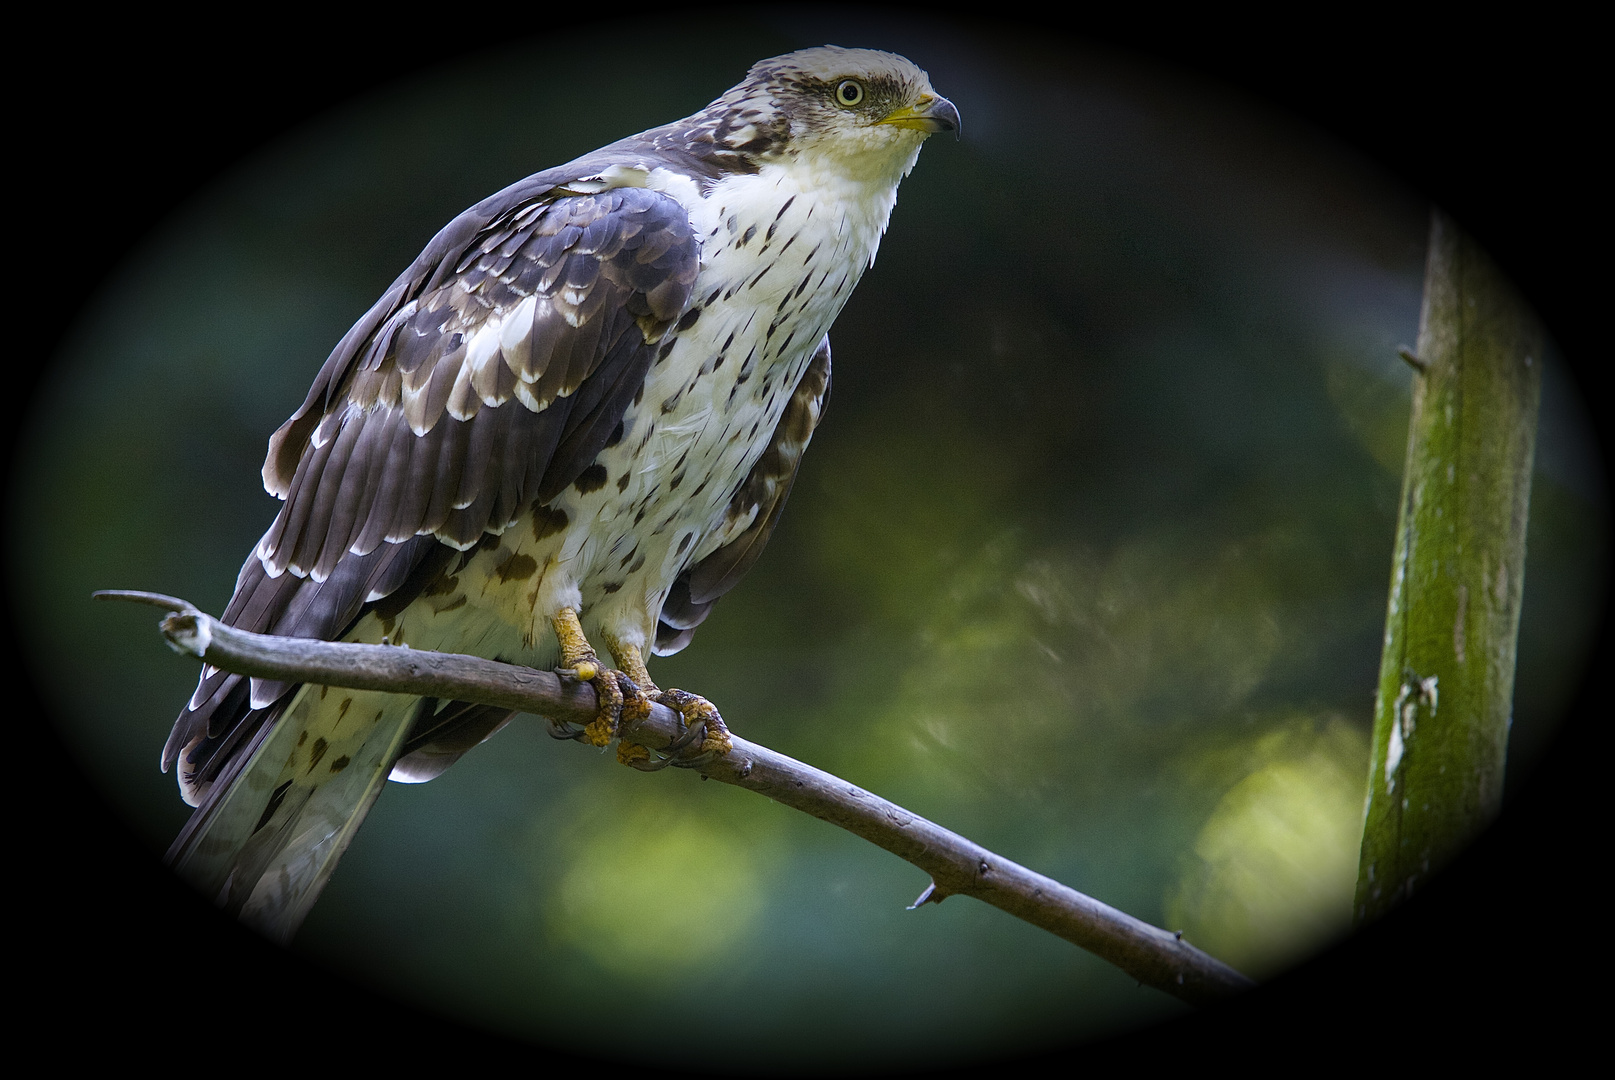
column 1493, row 126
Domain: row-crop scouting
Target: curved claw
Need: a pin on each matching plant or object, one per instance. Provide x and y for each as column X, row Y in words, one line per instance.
column 641, row 757
column 704, row 728
column 696, row 734
column 560, row 729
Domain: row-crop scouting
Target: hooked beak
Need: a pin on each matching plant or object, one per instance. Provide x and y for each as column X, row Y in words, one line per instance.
column 931, row 112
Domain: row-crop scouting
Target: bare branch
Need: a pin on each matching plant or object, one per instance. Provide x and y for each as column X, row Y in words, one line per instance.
column 957, row 866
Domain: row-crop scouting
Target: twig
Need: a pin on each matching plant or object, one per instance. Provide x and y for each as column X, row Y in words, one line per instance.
column 1151, row 955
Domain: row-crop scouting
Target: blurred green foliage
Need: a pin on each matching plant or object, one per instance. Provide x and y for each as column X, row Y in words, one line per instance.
column 1088, row 561
column 1272, row 871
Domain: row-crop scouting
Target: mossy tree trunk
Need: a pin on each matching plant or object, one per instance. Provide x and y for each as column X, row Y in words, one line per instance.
column 1446, row 683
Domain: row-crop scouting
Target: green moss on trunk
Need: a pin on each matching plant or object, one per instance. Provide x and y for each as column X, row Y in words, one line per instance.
column 1446, row 684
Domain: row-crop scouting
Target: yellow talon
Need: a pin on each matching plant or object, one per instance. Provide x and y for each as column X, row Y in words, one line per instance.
column 587, row 671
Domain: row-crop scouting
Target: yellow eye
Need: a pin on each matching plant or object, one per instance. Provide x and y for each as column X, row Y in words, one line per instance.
column 849, row 92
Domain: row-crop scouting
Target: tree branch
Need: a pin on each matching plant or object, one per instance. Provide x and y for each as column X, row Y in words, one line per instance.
column 1151, row 955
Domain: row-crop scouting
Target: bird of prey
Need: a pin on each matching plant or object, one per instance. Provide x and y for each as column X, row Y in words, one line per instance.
column 571, row 422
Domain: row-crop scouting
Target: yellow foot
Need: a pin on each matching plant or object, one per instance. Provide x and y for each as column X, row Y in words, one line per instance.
column 622, row 704
column 701, row 721
column 621, row 699
column 705, row 736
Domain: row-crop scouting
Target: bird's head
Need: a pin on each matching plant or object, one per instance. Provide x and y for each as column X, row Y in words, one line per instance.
column 860, row 112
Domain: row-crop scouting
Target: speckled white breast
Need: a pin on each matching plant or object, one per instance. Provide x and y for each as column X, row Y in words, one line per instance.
column 781, row 252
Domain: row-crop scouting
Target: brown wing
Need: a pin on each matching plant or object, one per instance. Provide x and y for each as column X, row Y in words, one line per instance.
column 490, row 375
column 554, row 311
column 760, row 499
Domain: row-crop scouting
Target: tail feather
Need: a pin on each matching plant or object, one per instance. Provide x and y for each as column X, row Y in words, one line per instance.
column 264, row 842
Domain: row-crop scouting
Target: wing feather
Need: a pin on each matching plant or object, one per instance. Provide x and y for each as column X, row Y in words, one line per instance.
column 489, row 375
column 542, row 300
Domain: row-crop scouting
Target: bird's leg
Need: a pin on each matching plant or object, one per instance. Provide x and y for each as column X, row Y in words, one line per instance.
column 610, row 686
column 701, row 719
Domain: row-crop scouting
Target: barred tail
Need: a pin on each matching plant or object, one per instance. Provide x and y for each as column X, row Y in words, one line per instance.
column 268, row 834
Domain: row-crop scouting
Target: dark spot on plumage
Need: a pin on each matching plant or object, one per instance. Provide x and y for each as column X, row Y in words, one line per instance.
column 340, row 763
column 548, row 520
column 708, row 301
column 688, row 320
column 639, row 516
column 718, row 363
column 316, row 752
column 714, row 231
column 671, row 403
column 684, row 543
column 444, row 584
column 638, row 562
column 457, row 602
column 302, row 738
column 786, row 344
column 699, row 488
column 616, row 434
column 622, row 481
column 639, row 394
column 782, row 210
column 733, row 223
column 518, row 567
column 771, row 328
column 789, row 242
column 275, row 799
column 807, row 277
column 626, row 558
column 786, row 299
column 746, row 238
column 323, row 691
column 591, row 479
column 676, row 481
column 611, row 587
column 342, row 709
column 730, row 340
column 812, row 253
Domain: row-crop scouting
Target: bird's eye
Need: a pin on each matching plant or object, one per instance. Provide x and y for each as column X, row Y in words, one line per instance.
column 849, row 92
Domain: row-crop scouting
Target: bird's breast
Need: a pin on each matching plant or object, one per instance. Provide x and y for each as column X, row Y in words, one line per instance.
column 778, row 263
